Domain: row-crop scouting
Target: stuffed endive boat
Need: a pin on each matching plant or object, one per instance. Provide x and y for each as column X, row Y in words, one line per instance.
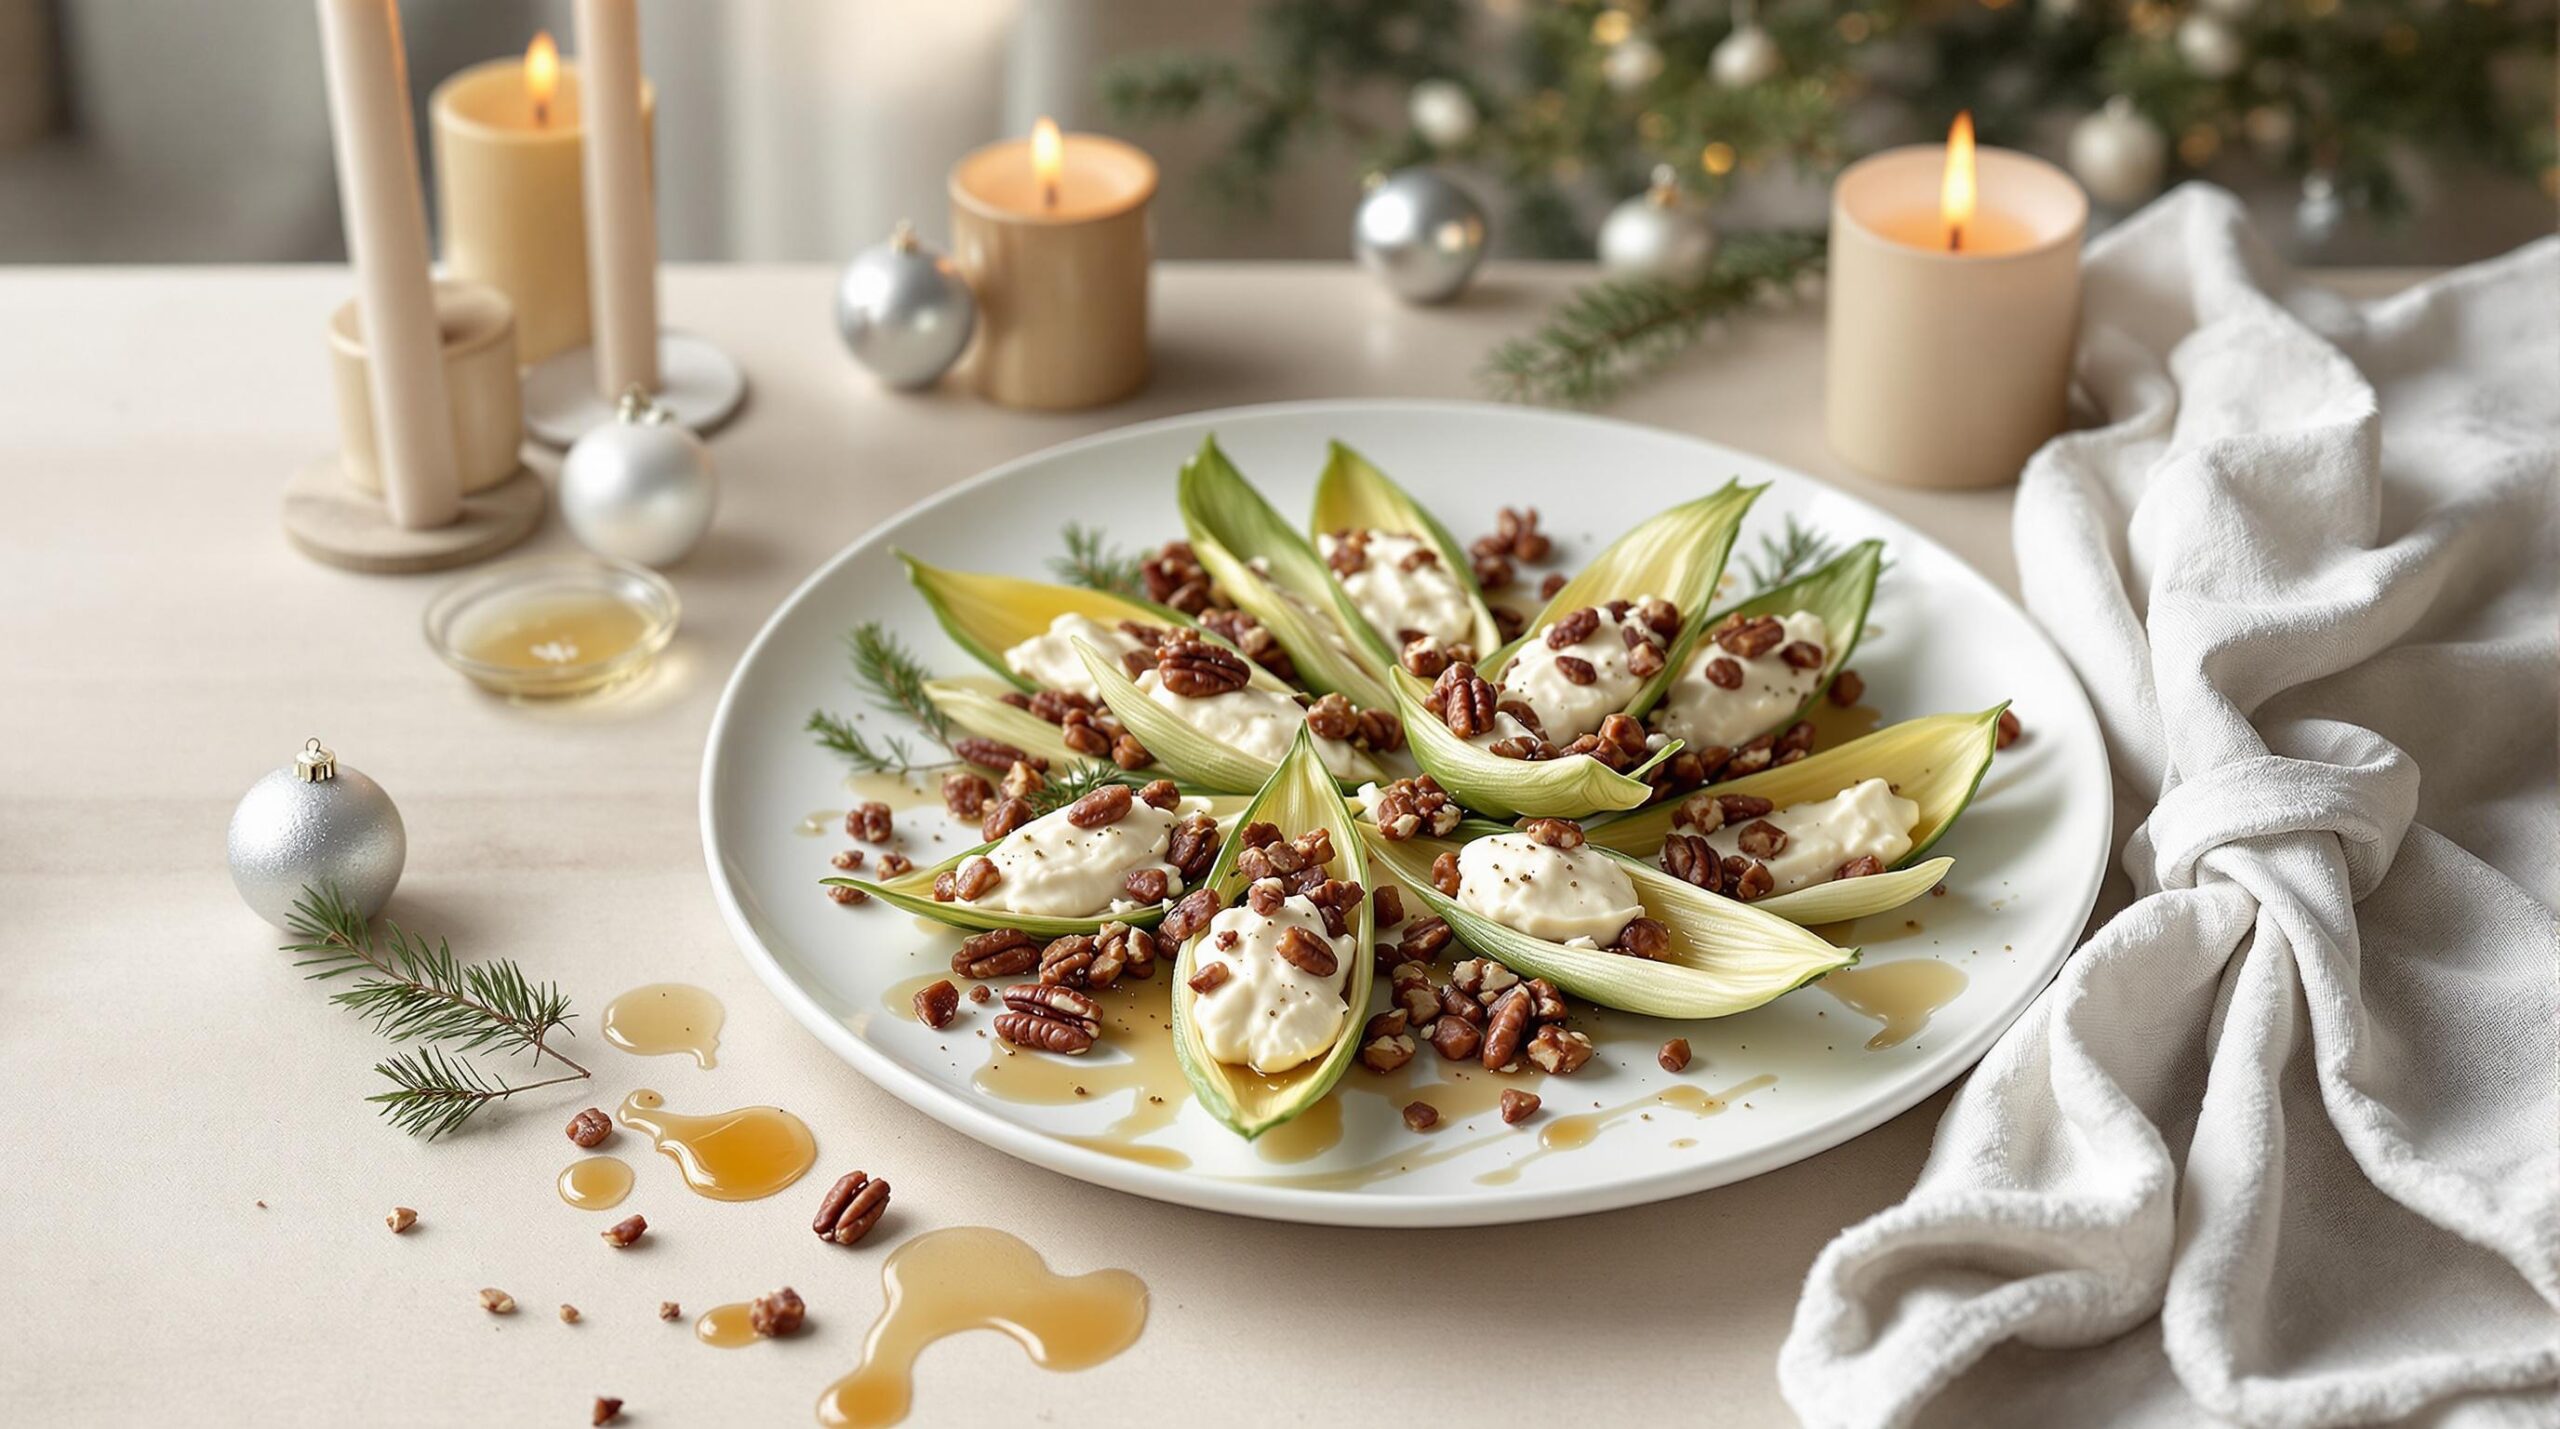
column 1273, row 575
column 1397, row 574
column 1272, row 968
column 1203, row 722
column 1835, row 835
column 1761, row 664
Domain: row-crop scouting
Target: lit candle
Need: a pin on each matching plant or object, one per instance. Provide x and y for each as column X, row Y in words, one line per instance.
column 509, row 137
column 1954, row 283
column 1052, row 233
column 622, row 222
column 368, row 81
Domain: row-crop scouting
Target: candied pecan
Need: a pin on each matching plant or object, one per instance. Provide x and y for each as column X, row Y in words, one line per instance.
column 1518, row 1106
column 624, row 1233
column 1409, row 807
column 1160, row 794
column 1131, row 950
column 1674, row 1055
column 975, row 878
column 870, row 822
column 995, row 753
column 847, row 859
column 1507, row 623
column 1645, row 661
column 1128, row 753
column 846, row 893
column 1712, row 759
column 1554, row 582
column 1048, row 1018
column 1492, row 572
column 1193, row 847
column 2009, row 730
column 1021, row 780
column 1455, row 1038
column 1688, row 857
column 1659, row 616
column 966, row 794
column 1457, row 1002
column 1865, row 865
column 1465, row 699
column 997, row 952
column 1554, row 833
column 606, row 1410
column 778, row 1314
column 938, row 1004
column 1307, row 953
column 1265, row 896
column 1315, row 846
column 893, row 864
column 1762, row 839
column 590, row 1127
column 1421, row 1116
column 1558, row 1052
column 1188, row 917
column 1081, row 737
column 1134, row 663
column 1055, row 705
column 1260, row 834
column 1751, row 638
column 1577, row 670
column 1003, row 817
column 1801, row 655
column 401, row 1217
column 1724, row 674
column 1015, row 698
column 1175, row 578
column 1521, row 526
column 1383, row 1053
column 851, row 1207
column 1754, row 883
column 1574, row 628
column 1196, row 669
column 945, row 887
column 1546, row 1001
column 1625, row 735
column 1106, row 805
column 1520, row 746
column 1525, row 713
column 1332, row 718
column 1336, row 899
column 1797, row 737
column 1742, row 806
column 1146, row 885
column 1751, row 758
column 1379, row 730
column 1350, row 553
column 1409, row 986
column 1643, row 938
column 1847, row 688
column 1683, row 770
column 1249, row 636
column 1056, row 1002
column 1387, row 905
column 1481, row 978
column 1506, row 1023
column 978, row 993
column 1445, row 875
column 1209, row 979
column 1423, row 656
column 1068, row 961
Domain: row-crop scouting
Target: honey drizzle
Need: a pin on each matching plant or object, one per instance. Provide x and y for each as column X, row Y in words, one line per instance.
column 595, row 1183
column 1901, row 995
column 727, row 1326
column 819, row 822
column 741, row 1155
column 1572, row 1133
column 975, row 1278
column 664, row 1019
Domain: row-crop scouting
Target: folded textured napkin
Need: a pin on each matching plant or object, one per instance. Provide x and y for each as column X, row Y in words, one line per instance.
column 2281, row 1144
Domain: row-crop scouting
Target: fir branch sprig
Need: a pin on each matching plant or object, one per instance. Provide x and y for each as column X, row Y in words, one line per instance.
column 1091, row 561
column 1794, row 552
column 894, row 679
column 412, row 991
column 882, row 754
column 1613, row 333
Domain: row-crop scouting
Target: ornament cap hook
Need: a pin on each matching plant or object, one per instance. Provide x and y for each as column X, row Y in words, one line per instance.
column 1665, row 190
column 315, row 764
column 638, row 408
column 902, row 239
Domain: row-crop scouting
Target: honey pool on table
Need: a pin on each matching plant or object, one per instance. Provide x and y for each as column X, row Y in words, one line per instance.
column 740, row 1155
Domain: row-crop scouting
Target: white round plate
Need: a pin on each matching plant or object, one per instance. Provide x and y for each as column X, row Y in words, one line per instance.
column 1800, row 1073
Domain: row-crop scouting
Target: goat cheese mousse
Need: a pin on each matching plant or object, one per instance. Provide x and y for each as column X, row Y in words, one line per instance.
column 1546, row 882
column 1589, row 663
column 1107, row 852
column 1268, row 974
column 1049, row 660
column 1209, row 688
column 1749, row 678
column 1400, row 586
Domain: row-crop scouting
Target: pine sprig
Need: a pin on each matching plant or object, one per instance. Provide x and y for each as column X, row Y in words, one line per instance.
column 1793, row 552
column 886, row 754
column 893, row 679
column 1613, row 333
column 412, row 991
column 1091, row 561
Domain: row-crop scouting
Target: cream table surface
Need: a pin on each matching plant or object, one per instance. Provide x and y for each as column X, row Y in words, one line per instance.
column 191, row 1220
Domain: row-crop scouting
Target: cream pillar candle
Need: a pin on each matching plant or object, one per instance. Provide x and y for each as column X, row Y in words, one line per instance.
column 1954, row 301
column 1052, row 232
column 622, row 223
column 386, row 223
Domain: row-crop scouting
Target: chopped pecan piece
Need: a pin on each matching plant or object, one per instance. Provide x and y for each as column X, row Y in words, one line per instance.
column 1738, row 807
column 1554, row 833
column 1645, row 661
column 1458, row 1003
column 1847, row 688
column 1129, row 950
column 1557, row 1051
column 1797, row 738
column 1332, row 718
column 1387, row 905
column 1518, row 1106
column 624, row 1233
column 847, row 859
column 938, row 1004
column 606, row 1410
column 1209, row 979
column 1160, row 794
column 1081, row 736
column 1411, row 807
column 893, row 864
column 1188, row 917
column 401, row 1218
column 1492, row 572
column 1801, row 655
column 1384, row 1053
column 1128, row 753
column 1455, row 1039
column 778, row 1314
column 1021, row 780
column 1421, row 1116
column 1751, row 637
column 975, row 878
column 870, row 822
column 2009, row 731
column 497, row 1301
column 851, row 1207
column 1762, row 839
column 847, row 894
column 1754, row 883
column 1508, row 623
column 1068, row 961
column 1482, row 978
column 1445, row 875
column 1194, row 847
column 1424, row 657
column 995, row 753
column 1724, row 673
column 1146, row 885
column 1350, row 553
column 1572, row 629
column 1643, row 938
column 1003, row 817
column 1865, row 865
column 1379, row 730
column 998, row 952
column 1674, row 1055
column 590, row 1127
column 1546, row 1002
column 1548, row 588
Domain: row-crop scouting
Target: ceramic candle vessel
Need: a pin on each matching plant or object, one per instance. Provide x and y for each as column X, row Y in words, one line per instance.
column 1060, row 272
column 477, row 335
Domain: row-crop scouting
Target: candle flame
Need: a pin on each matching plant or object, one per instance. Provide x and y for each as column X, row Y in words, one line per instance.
column 1955, row 197
column 1048, row 156
column 542, row 74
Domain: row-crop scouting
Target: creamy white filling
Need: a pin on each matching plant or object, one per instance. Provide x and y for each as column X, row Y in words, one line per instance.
column 1270, row 1014
column 1050, row 661
column 1865, row 818
column 1427, row 597
column 1262, row 723
column 1557, row 894
column 1567, row 710
column 1700, row 711
column 1051, row 867
column 1504, row 727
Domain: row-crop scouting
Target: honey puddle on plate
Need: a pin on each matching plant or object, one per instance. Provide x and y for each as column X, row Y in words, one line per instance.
column 1901, row 995
column 740, row 1155
column 1572, row 1133
column 596, row 1183
column 974, row 1278
column 898, row 791
column 666, row 1019
column 727, row 1326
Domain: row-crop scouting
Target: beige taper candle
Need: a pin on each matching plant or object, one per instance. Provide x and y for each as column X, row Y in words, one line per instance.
column 622, row 220
column 387, row 243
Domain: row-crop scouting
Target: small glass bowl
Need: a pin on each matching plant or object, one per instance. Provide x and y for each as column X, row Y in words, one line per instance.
column 547, row 627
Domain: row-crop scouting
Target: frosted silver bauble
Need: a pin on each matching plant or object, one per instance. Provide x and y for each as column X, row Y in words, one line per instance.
column 2211, row 48
column 1748, row 56
column 905, row 311
column 1631, row 64
column 2118, row 155
column 1660, row 233
column 1443, row 113
column 638, row 488
column 315, row 824
column 1420, row 233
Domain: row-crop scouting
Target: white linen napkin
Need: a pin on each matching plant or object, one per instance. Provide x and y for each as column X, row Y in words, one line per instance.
column 2297, row 1100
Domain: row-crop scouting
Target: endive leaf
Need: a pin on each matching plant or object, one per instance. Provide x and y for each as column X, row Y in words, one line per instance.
column 1725, row 957
column 1839, row 592
column 987, row 615
column 913, row 891
column 1300, row 798
column 1231, row 528
column 1936, row 762
column 1354, row 495
column 1183, row 751
column 1676, row 554
column 973, row 706
column 1502, row 788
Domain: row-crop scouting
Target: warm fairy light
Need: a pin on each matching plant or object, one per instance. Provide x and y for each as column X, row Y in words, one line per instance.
column 1717, row 158
column 1048, row 156
column 1611, row 27
column 1955, row 196
column 542, row 75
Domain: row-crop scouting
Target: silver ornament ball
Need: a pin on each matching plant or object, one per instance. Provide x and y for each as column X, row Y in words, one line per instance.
column 318, row 824
column 1420, row 233
column 905, row 311
column 1660, row 233
column 638, row 488
column 1442, row 112
column 1748, row 56
column 2119, row 155
column 1631, row 64
column 2211, row 48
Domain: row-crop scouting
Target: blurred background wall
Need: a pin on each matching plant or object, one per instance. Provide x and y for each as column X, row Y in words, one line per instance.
column 175, row 131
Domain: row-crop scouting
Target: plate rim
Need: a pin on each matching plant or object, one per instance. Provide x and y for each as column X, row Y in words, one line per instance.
column 1352, row 1208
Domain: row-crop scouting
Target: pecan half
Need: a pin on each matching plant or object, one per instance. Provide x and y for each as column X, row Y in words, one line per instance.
column 998, row 952
column 1865, row 865
column 847, row 894
column 995, row 753
column 1738, row 807
column 975, row 878
column 1003, row 817
column 1643, row 938
column 1188, row 917
column 1043, row 1034
column 1750, row 638
column 851, row 1207
column 1724, row 674
column 1106, row 805
column 938, row 1004
column 1307, row 953
column 1577, row 670
column 1801, row 655
column 1193, row 849
column 1210, row 978
column 1574, row 628
column 869, row 822
column 1146, row 885
column 1332, row 718
column 1506, row 1023
column 1689, row 858
column 1466, row 701
column 1194, row 668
